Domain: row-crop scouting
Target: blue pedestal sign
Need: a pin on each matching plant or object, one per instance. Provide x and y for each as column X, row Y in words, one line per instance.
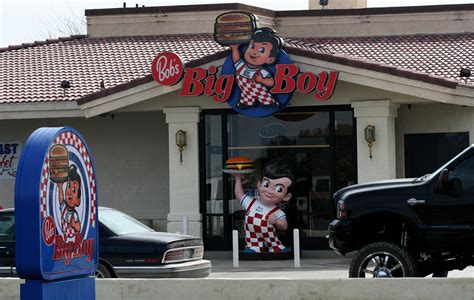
column 56, row 216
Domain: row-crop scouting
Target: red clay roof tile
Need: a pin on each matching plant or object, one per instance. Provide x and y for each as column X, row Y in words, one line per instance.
column 33, row 72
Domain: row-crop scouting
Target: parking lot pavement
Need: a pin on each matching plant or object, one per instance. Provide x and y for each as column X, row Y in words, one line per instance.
column 314, row 265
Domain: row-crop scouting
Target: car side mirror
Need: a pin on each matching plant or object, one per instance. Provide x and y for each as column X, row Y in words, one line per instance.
column 442, row 185
column 455, row 187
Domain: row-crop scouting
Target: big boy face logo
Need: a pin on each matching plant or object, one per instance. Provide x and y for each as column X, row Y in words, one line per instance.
column 68, row 199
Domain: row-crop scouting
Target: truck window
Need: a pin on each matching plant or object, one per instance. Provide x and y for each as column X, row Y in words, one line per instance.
column 465, row 172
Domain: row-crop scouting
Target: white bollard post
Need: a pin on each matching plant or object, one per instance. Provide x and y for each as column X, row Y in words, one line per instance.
column 296, row 245
column 185, row 224
column 235, row 248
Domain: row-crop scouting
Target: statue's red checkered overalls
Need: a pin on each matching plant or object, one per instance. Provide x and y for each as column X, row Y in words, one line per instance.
column 260, row 236
column 67, row 228
column 250, row 90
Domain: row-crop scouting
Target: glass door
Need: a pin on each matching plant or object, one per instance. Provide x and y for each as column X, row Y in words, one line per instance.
column 214, row 207
column 318, row 145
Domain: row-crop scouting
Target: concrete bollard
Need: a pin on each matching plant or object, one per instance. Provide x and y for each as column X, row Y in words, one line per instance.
column 296, row 246
column 185, row 224
column 235, row 248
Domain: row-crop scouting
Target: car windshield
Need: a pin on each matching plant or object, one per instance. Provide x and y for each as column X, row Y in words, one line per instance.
column 120, row 223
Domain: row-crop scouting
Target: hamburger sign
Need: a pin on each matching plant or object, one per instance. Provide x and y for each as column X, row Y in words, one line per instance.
column 56, row 214
column 257, row 79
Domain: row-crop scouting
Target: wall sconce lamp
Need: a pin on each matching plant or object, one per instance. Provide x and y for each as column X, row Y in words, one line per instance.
column 369, row 132
column 181, row 143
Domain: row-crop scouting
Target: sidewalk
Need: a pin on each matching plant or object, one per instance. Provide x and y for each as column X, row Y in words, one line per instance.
column 314, row 265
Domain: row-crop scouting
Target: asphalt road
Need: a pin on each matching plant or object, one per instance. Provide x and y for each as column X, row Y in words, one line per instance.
column 316, row 265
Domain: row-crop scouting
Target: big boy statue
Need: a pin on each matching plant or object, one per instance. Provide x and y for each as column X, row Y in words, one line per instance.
column 263, row 215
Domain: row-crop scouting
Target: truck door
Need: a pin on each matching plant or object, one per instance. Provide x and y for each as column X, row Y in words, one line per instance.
column 450, row 213
column 7, row 243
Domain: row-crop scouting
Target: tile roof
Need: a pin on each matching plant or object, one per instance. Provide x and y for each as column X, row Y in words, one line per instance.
column 436, row 55
column 33, row 72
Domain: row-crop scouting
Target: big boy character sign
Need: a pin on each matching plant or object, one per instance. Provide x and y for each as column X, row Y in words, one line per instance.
column 257, row 79
column 56, row 215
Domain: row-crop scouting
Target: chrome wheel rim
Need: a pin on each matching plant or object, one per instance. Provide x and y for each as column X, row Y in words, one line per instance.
column 98, row 274
column 381, row 265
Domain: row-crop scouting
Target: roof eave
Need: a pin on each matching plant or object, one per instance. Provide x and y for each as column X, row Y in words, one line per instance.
column 389, row 79
column 140, row 81
column 352, row 70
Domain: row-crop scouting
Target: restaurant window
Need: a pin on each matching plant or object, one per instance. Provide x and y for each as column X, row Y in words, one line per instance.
column 318, row 144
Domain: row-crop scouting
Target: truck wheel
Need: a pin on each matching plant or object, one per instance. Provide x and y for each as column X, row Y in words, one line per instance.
column 102, row 272
column 382, row 259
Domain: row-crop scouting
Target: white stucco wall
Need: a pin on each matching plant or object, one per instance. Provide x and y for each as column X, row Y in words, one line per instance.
column 430, row 118
column 131, row 157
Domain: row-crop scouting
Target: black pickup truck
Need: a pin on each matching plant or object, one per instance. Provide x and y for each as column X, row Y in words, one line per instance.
column 409, row 227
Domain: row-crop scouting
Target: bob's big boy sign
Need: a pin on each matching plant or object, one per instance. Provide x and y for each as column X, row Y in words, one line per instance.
column 56, row 207
column 257, row 79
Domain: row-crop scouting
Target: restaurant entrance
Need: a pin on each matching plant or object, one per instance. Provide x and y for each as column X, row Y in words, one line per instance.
column 318, row 143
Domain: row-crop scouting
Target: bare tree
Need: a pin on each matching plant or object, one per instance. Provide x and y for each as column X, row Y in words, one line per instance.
column 63, row 25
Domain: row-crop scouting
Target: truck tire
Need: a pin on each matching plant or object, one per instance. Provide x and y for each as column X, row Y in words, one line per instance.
column 382, row 259
column 440, row 274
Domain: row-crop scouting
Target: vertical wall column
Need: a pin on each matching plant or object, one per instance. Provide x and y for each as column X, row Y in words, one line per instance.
column 184, row 178
column 381, row 114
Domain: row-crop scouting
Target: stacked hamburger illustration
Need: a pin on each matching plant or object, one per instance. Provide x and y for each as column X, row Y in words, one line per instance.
column 58, row 163
column 234, row 28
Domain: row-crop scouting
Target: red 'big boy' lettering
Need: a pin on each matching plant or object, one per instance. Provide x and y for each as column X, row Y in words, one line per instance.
column 210, row 80
column 284, row 81
column 326, row 85
column 68, row 250
column 192, row 83
column 224, row 86
column 306, row 82
column 198, row 81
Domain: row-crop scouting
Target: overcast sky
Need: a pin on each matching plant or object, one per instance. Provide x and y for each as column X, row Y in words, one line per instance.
column 25, row 21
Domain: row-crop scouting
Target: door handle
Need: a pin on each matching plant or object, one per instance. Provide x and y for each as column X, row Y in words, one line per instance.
column 1, row 247
column 413, row 201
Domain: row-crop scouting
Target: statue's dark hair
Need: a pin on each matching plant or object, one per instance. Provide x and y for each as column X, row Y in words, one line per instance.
column 276, row 169
column 73, row 175
column 266, row 34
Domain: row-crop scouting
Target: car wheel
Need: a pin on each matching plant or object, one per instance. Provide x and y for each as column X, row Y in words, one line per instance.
column 440, row 274
column 382, row 259
column 102, row 272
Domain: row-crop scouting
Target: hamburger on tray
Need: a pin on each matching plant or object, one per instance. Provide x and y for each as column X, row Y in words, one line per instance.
column 234, row 28
column 239, row 164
